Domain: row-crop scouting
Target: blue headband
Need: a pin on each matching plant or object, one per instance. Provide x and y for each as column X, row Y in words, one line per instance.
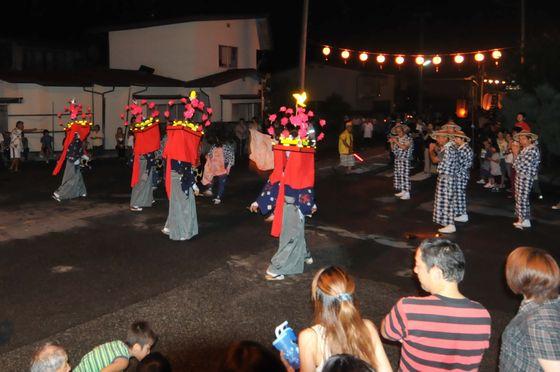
column 344, row 297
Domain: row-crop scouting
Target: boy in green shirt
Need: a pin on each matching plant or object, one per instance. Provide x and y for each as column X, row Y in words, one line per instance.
column 114, row 356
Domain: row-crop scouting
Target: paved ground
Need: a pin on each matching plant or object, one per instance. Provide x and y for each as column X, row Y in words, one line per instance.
column 79, row 272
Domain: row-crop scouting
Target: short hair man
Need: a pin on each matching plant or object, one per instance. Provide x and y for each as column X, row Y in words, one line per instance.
column 444, row 330
column 50, row 357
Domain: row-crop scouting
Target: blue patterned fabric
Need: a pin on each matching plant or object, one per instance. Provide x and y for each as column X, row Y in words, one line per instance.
column 304, row 199
column 75, row 150
column 448, row 160
column 401, row 177
column 465, row 160
column 403, row 154
column 187, row 174
column 526, row 164
column 267, row 198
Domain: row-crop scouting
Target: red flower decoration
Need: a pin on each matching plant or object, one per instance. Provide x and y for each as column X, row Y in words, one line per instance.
column 183, row 100
column 320, row 136
column 171, row 102
column 166, row 114
column 209, row 110
column 151, row 105
column 143, row 102
column 322, row 122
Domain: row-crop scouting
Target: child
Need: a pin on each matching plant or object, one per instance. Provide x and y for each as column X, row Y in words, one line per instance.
column 46, row 146
column 495, row 170
column 155, row 362
column 115, row 355
column 219, row 161
column 485, row 155
column 346, row 148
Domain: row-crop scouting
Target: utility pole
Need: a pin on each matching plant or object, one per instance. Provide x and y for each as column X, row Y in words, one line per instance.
column 522, row 46
column 422, row 17
column 303, row 45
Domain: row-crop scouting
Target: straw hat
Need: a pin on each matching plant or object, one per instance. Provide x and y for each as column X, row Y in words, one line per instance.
column 443, row 133
column 451, row 126
column 525, row 133
column 405, row 128
column 461, row 134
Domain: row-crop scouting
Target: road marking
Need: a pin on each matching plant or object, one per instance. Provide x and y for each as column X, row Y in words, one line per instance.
column 380, row 239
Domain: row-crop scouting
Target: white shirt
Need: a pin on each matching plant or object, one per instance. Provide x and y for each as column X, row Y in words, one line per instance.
column 368, row 129
column 15, row 138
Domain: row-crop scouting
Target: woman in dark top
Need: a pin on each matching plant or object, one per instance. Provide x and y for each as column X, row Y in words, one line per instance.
column 120, row 147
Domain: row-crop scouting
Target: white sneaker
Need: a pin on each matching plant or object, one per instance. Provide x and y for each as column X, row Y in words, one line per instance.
column 448, row 229
column 135, row 208
column 272, row 276
column 405, row 195
column 462, row 218
column 399, row 194
column 525, row 224
column 216, row 201
column 308, row 260
column 56, row 197
column 165, row 230
column 481, row 182
column 556, row 206
column 488, row 185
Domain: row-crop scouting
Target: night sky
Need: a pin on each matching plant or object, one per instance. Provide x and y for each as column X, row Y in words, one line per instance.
column 390, row 26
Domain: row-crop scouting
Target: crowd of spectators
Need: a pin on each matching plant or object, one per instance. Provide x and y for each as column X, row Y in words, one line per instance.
column 441, row 330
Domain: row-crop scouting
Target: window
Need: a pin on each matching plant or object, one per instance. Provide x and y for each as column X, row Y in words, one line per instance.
column 245, row 111
column 228, row 56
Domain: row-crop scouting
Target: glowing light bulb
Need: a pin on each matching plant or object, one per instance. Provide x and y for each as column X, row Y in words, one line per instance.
column 459, row 58
column 363, row 56
column 326, row 51
column 479, row 57
column 380, row 58
column 399, row 60
column 419, row 60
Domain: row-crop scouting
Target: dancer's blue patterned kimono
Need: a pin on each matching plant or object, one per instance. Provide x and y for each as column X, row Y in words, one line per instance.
column 401, row 178
column 526, row 166
column 465, row 160
column 444, row 209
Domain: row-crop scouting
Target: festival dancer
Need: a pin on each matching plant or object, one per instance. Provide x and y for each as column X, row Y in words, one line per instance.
column 464, row 163
column 444, row 213
column 182, row 157
column 402, row 146
column 146, row 143
column 289, row 190
column 526, row 167
column 73, row 154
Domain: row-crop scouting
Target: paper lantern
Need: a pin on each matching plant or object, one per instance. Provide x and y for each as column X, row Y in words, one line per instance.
column 363, row 57
column 496, row 55
column 380, row 58
column 461, row 108
column 419, row 60
column 479, row 57
column 399, row 60
column 459, row 59
column 326, row 52
column 487, row 101
column 345, row 55
column 436, row 61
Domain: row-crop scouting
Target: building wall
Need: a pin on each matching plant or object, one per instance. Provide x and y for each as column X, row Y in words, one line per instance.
column 223, row 108
column 40, row 100
column 361, row 89
column 184, row 51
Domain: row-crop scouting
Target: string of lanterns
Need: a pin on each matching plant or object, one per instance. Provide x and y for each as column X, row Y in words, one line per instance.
column 419, row 59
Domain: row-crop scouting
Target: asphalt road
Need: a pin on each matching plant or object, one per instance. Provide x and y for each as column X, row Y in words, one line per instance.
column 79, row 272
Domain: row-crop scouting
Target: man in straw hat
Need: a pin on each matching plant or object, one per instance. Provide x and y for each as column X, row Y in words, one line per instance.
column 444, row 208
column 464, row 163
column 526, row 166
column 401, row 146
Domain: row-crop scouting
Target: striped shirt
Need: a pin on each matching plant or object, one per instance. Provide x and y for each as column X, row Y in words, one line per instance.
column 102, row 356
column 439, row 333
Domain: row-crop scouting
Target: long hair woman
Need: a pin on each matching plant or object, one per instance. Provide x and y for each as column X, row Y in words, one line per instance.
column 339, row 328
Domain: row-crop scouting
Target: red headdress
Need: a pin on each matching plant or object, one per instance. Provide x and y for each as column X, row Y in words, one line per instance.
column 146, row 133
column 183, row 136
column 294, row 174
column 80, row 123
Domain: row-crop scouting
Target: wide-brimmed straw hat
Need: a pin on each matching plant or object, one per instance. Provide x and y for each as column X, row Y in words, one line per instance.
column 461, row 134
column 405, row 128
column 443, row 133
column 525, row 133
column 451, row 126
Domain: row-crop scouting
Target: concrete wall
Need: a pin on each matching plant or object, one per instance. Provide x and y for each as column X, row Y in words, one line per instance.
column 184, row 51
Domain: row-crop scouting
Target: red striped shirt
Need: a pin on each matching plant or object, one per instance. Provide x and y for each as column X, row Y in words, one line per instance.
column 439, row 333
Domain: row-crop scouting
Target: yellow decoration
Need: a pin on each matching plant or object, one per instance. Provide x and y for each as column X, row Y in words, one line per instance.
column 291, row 141
column 143, row 125
column 83, row 123
column 192, row 95
column 300, row 98
column 187, row 124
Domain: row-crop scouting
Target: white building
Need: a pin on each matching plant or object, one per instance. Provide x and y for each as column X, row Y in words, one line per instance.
column 217, row 57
